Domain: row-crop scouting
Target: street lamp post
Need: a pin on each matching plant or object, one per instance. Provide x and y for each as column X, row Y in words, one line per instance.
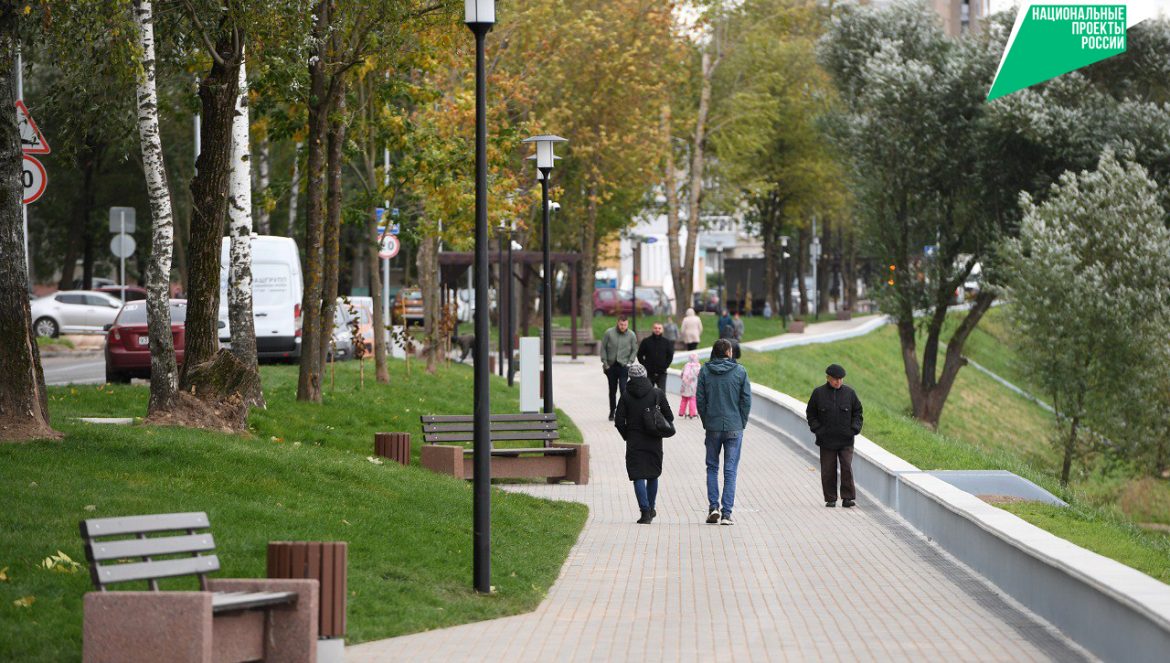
column 786, row 288
column 722, row 276
column 635, row 260
column 545, row 158
column 500, row 289
column 480, row 16
column 510, row 329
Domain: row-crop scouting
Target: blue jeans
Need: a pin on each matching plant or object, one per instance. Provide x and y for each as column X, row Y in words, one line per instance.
column 731, row 443
column 646, row 490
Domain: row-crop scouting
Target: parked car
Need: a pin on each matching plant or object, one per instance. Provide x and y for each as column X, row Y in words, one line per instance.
column 408, row 306
column 612, row 301
column 706, row 301
column 73, row 312
column 657, row 296
column 343, row 338
column 277, row 289
column 128, row 343
column 95, row 283
column 133, row 293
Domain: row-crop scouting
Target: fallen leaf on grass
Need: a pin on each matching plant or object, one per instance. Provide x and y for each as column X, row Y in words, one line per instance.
column 345, row 521
column 4, row 574
column 276, row 439
column 24, row 601
column 60, row 563
column 372, row 459
column 91, row 507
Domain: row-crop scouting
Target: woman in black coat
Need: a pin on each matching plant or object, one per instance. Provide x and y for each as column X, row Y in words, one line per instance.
column 643, row 446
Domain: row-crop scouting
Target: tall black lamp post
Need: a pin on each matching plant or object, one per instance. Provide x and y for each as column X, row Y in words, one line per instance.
column 480, row 16
column 545, row 157
column 501, row 289
column 510, row 300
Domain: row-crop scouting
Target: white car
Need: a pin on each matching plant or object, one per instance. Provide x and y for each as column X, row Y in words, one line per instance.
column 74, row 312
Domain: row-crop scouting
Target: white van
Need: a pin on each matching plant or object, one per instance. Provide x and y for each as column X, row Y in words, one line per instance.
column 277, row 290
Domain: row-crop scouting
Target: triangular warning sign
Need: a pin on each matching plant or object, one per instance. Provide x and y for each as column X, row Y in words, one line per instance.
column 32, row 141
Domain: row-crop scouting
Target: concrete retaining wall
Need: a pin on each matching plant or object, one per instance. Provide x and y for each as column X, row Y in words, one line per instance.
column 1112, row 610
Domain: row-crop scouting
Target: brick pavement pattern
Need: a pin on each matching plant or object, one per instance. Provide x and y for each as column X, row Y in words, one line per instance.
column 791, row 581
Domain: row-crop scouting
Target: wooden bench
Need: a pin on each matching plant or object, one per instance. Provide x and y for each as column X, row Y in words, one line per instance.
column 568, row 462
column 563, row 341
column 228, row 620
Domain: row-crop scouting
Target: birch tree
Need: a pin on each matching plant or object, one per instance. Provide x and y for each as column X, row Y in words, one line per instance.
column 164, row 373
column 240, row 318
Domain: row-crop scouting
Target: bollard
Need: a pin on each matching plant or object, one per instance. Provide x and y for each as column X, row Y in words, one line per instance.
column 395, row 446
column 324, row 562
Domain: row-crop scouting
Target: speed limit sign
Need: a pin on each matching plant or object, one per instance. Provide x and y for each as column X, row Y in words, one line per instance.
column 389, row 246
column 33, row 179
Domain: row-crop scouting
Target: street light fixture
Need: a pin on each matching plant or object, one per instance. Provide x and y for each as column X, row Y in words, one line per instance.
column 480, row 16
column 545, row 160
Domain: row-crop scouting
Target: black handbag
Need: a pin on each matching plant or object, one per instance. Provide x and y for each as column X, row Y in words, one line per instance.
column 655, row 422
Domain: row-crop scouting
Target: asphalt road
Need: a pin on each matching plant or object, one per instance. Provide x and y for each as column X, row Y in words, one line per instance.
column 85, row 369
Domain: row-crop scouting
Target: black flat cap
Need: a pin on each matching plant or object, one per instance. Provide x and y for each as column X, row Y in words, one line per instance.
column 835, row 371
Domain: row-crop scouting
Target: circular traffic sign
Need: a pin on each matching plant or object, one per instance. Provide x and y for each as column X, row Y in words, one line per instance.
column 389, row 247
column 122, row 245
column 33, row 178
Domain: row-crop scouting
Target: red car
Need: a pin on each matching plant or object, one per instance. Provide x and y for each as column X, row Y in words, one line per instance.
column 611, row 301
column 128, row 345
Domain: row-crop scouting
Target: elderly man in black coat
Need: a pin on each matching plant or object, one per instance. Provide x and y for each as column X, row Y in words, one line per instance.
column 656, row 353
column 643, row 444
column 834, row 416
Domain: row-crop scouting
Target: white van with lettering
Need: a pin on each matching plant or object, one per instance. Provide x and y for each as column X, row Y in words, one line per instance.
column 277, row 289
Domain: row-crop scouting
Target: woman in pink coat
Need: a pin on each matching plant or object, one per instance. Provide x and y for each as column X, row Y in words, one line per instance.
column 690, row 381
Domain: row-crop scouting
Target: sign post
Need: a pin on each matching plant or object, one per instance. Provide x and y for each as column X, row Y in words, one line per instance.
column 122, row 245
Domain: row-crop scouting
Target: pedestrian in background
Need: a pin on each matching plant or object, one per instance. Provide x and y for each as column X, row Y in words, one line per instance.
column 834, row 416
column 656, row 354
column 692, row 329
column 726, row 326
column 643, row 443
column 724, row 399
column 619, row 349
column 690, row 382
column 670, row 332
column 737, row 327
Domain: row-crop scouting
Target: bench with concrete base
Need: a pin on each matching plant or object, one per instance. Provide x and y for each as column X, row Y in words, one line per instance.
column 566, row 462
column 563, row 341
column 228, row 620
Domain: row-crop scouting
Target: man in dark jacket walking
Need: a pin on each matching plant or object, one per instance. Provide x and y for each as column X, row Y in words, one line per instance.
column 655, row 353
column 724, row 399
column 643, row 445
column 834, row 416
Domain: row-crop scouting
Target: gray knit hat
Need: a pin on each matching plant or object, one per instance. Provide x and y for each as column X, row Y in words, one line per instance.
column 637, row 371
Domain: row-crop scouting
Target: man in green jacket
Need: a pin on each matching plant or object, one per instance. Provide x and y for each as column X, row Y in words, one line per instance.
column 724, row 399
column 619, row 349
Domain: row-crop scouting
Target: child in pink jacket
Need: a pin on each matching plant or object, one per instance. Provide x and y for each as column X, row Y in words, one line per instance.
column 690, row 379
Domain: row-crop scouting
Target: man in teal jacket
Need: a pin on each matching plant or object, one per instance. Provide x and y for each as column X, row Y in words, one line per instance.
column 724, row 399
column 619, row 349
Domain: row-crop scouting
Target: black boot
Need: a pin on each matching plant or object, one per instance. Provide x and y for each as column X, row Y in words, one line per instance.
column 646, row 518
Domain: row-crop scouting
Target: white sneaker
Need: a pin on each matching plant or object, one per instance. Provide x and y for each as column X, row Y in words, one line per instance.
column 727, row 520
column 713, row 517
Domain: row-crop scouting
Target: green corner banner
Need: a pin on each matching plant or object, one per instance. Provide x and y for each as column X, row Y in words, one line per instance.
column 1056, row 39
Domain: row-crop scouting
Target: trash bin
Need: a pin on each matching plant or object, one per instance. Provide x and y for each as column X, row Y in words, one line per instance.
column 326, row 563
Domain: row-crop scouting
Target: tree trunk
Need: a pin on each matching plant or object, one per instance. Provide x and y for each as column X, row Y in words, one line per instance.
column 294, row 191
column 428, row 282
column 24, row 411
column 771, row 268
column 217, row 94
column 1070, row 447
column 682, row 301
column 371, row 244
column 240, row 314
column 164, row 372
column 87, row 162
column 801, row 255
column 824, row 271
column 336, row 140
column 263, row 214
column 87, row 256
column 320, row 104
column 588, row 261
column 686, row 271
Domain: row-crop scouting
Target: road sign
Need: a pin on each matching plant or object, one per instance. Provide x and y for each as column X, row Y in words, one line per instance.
column 33, row 178
column 930, row 250
column 122, row 246
column 393, row 228
column 32, row 141
column 389, row 247
column 120, row 215
column 649, row 240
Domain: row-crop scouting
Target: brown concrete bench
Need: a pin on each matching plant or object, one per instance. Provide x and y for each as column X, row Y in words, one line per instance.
column 228, row 620
column 567, row 462
column 563, row 341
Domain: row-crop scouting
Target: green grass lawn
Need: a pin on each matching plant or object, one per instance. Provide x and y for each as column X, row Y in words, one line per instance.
column 984, row 426
column 302, row 475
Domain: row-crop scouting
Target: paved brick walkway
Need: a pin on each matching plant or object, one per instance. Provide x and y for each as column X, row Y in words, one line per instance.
column 792, row 581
